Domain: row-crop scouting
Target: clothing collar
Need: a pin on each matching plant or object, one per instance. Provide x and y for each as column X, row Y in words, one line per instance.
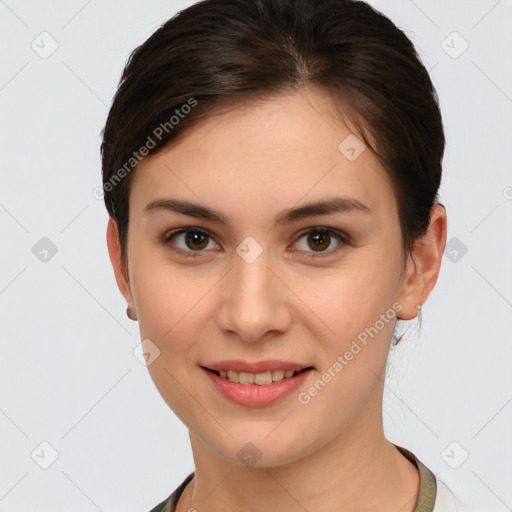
column 428, row 485
column 425, row 501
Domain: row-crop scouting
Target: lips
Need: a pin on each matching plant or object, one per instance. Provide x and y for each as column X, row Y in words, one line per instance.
column 262, row 392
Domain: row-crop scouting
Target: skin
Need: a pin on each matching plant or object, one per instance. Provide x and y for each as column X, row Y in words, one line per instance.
column 250, row 162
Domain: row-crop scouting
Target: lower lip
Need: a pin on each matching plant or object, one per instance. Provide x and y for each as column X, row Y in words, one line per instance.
column 254, row 395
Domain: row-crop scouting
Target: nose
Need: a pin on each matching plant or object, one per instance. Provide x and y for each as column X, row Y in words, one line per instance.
column 253, row 300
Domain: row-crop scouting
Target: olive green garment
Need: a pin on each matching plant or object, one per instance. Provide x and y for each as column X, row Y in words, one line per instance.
column 425, row 502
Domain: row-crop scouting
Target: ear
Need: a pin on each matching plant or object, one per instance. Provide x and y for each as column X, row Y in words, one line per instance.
column 120, row 270
column 423, row 265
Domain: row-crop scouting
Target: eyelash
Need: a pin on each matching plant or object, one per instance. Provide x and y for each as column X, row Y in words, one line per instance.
column 342, row 237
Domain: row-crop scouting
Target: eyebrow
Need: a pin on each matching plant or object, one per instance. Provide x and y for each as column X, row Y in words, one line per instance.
column 323, row 207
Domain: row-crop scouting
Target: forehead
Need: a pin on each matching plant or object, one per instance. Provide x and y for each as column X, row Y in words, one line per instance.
column 269, row 153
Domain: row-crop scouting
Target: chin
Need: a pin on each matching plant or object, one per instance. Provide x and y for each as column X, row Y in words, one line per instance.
column 259, row 451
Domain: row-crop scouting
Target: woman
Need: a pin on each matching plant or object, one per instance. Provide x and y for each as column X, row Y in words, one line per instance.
column 271, row 171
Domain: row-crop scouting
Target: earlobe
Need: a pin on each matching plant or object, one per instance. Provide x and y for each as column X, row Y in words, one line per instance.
column 120, row 270
column 424, row 264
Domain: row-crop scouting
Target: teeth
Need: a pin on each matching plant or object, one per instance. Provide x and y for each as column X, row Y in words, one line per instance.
column 233, row 376
column 277, row 375
column 246, row 378
column 261, row 379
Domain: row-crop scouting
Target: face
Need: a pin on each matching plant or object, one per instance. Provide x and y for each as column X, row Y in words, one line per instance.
column 245, row 273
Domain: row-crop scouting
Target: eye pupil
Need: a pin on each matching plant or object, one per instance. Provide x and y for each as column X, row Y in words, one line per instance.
column 195, row 238
column 319, row 239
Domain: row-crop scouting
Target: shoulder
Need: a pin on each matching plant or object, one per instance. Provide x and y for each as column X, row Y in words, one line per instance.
column 434, row 495
column 169, row 504
column 447, row 501
column 162, row 507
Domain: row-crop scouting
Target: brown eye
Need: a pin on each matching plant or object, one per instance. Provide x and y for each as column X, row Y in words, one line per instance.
column 319, row 240
column 196, row 240
column 187, row 240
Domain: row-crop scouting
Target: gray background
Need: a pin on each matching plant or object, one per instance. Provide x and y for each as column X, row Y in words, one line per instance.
column 69, row 377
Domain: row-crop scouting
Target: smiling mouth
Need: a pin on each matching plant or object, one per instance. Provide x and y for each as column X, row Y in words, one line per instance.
column 261, row 379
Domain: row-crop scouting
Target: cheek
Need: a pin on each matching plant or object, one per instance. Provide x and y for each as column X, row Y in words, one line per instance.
column 353, row 315
column 176, row 310
column 166, row 293
column 172, row 315
column 346, row 301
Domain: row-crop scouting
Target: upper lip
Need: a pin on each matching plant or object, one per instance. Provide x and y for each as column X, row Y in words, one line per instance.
column 238, row 365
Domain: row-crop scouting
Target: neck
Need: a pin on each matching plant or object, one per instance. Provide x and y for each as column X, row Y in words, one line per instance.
column 359, row 470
